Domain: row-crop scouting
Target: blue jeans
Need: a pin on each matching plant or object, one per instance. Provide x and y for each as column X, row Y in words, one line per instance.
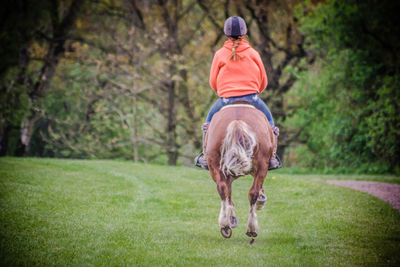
column 253, row 99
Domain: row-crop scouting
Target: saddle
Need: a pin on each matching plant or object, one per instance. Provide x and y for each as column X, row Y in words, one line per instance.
column 240, row 103
column 201, row 162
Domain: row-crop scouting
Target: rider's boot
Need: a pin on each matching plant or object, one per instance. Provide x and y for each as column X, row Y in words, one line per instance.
column 200, row 160
column 275, row 162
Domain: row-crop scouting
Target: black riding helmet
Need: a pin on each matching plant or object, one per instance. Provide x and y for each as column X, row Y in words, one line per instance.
column 234, row 27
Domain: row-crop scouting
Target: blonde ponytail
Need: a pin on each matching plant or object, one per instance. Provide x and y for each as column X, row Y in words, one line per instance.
column 236, row 42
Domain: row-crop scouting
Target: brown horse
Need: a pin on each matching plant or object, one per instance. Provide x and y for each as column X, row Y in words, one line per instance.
column 239, row 141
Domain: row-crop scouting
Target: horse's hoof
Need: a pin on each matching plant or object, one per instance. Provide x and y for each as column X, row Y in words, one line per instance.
column 226, row 231
column 251, row 234
column 252, row 241
column 261, row 201
column 234, row 221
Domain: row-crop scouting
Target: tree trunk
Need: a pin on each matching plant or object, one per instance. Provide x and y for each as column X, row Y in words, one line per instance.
column 135, row 131
column 27, row 130
column 172, row 149
column 191, row 127
column 4, row 134
column 38, row 92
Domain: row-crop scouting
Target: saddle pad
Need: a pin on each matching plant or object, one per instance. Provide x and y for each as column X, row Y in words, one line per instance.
column 238, row 105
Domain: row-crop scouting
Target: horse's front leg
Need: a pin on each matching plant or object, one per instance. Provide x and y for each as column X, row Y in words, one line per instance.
column 227, row 219
column 254, row 194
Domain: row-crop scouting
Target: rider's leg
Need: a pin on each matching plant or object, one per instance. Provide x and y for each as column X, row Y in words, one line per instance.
column 216, row 107
column 200, row 160
column 259, row 104
column 274, row 163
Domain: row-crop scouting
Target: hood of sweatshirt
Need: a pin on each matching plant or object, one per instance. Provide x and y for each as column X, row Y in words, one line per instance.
column 242, row 46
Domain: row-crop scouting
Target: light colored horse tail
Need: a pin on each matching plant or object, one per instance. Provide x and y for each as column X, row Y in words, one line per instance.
column 237, row 149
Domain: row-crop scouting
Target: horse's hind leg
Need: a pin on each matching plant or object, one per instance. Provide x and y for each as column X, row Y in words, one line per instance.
column 227, row 219
column 261, row 199
column 254, row 193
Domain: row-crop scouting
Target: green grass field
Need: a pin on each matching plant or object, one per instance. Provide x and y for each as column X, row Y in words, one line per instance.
column 112, row 213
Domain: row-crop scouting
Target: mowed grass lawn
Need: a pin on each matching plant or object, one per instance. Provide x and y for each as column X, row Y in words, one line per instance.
column 113, row 213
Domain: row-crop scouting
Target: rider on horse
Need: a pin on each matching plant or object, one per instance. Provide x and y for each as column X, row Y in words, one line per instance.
column 238, row 74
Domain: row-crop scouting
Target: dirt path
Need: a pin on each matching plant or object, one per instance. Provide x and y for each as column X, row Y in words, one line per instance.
column 387, row 192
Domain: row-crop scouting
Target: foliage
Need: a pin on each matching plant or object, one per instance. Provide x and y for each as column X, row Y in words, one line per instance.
column 140, row 66
column 129, row 79
column 346, row 105
column 18, row 31
column 145, row 101
column 19, row 25
column 38, row 41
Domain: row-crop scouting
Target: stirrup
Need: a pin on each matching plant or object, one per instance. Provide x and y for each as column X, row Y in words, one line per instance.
column 279, row 166
column 198, row 163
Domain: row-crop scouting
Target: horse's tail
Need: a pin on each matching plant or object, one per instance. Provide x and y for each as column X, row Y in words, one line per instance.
column 237, row 149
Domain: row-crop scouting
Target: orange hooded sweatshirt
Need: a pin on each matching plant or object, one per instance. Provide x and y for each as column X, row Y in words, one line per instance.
column 236, row 78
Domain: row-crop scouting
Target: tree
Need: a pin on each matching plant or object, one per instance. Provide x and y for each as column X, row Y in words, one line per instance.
column 43, row 44
column 347, row 102
column 152, row 72
column 20, row 23
column 62, row 25
column 162, row 26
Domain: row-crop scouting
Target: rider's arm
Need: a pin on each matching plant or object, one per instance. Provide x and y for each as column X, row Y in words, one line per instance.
column 263, row 74
column 214, row 73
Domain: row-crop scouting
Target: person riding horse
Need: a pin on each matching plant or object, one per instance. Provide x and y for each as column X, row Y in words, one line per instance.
column 238, row 75
column 241, row 138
